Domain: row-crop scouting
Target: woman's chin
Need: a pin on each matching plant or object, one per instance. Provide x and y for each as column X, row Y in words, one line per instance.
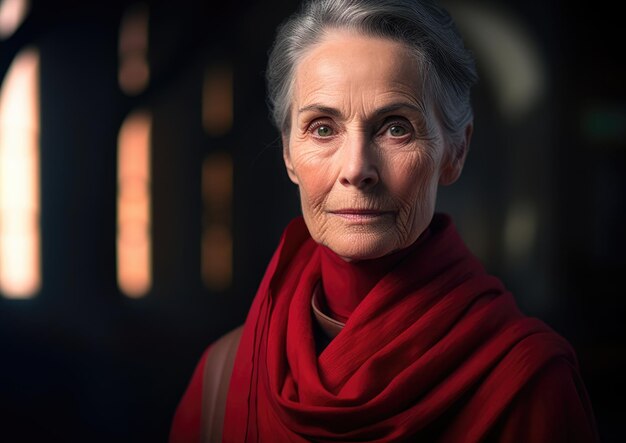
column 359, row 249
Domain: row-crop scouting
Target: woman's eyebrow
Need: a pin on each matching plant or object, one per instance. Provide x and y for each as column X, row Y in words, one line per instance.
column 322, row 109
column 378, row 112
column 398, row 106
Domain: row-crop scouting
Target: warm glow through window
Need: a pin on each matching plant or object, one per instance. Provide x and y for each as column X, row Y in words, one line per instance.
column 134, row 70
column 12, row 14
column 217, row 179
column 217, row 100
column 134, row 248
column 20, row 269
column 217, row 241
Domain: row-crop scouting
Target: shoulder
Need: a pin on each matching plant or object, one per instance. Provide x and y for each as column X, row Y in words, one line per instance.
column 227, row 341
column 187, row 423
column 216, row 381
column 552, row 407
column 185, row 426
column 218, row 368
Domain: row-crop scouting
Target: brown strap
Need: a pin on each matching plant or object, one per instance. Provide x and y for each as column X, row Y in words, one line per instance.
column 217, row 371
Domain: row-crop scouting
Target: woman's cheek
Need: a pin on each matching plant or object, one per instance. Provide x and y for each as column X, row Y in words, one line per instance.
column 314, row 188
column 315, row 175
column 407, row 176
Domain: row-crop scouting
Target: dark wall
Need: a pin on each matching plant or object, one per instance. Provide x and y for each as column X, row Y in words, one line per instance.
column 81, row 362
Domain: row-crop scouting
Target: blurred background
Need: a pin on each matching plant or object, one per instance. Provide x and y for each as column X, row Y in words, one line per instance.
column 142, row 194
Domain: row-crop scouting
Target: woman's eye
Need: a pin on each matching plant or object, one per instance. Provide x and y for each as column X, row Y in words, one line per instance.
column 397, row 130
column 323, row 131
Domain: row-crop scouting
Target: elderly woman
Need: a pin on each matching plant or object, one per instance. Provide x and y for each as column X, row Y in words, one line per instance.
column 373, row 321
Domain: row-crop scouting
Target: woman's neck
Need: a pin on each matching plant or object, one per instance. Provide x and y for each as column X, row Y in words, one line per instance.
column 346, row 283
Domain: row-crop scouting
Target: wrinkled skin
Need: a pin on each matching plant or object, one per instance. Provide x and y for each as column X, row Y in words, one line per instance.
column 364, row 147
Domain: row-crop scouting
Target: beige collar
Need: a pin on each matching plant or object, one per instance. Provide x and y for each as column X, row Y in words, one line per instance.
column 330, row 326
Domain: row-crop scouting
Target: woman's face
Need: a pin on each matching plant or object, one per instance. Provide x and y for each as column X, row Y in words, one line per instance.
column 365, row 149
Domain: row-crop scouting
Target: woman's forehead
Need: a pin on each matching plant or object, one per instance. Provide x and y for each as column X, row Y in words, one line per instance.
column 349, row 67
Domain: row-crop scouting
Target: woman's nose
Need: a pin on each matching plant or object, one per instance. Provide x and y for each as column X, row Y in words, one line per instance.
column 358, row 167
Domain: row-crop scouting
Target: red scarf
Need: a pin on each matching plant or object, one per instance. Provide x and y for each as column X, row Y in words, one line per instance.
column 437, row 350
column 345, row 284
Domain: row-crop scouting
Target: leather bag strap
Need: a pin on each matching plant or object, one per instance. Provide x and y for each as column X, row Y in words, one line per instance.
column 216, row 380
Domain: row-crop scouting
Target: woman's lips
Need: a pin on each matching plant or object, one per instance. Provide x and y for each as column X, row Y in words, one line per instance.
column 361, row 215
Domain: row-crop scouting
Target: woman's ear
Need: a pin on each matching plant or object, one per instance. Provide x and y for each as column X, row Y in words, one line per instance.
column 454, row 158
column 287, row 158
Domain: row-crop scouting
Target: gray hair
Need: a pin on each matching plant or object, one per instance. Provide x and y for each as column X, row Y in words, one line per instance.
column 424, row 27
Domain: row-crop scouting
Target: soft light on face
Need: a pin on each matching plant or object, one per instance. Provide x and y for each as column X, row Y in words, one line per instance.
column 365, row 150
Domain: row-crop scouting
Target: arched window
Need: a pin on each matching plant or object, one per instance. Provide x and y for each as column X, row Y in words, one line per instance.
column 20, row 243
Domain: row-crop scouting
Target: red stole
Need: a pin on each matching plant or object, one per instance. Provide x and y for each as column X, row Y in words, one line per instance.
column 345, row 284
column 437, row 350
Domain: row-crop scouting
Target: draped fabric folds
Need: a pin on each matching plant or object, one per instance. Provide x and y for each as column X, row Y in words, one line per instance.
column 436, row 351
